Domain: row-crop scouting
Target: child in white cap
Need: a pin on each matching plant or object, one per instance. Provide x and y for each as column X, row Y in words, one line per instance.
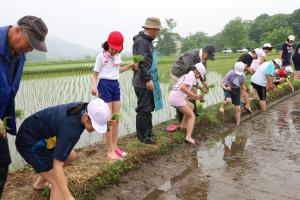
column 178, row 98
column 231, row 84
column 285, row 53
column 46, row 140
column 262, row 80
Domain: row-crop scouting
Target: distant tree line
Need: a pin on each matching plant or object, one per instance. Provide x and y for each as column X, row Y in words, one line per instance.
column 236, row 34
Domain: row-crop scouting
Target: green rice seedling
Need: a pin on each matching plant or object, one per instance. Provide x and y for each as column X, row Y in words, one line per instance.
column 199, row 107
column 137, row 58
column 46, row 192
column 19, row 113
column 3, row 127
column 116, row 116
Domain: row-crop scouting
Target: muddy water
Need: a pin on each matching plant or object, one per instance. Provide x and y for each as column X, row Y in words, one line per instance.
column 258, row 160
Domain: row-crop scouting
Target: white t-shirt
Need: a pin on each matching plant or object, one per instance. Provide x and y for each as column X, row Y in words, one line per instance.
column 260, row 76
column 108, row 66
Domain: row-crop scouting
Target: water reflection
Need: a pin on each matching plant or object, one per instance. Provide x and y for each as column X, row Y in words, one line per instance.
column 166, row 186
column 235, row 150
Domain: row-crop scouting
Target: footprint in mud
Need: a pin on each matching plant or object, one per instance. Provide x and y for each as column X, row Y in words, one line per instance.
column 296, row 112
column 294, row 157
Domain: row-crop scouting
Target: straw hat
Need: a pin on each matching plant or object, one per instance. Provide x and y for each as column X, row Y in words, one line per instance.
column 152, row 22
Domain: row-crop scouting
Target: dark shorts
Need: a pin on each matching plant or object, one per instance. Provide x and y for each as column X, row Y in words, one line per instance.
column 34, row 151
column 261, row 91
column 109, row 90
column 297, row 67
column 296, row 64
column 234, row 95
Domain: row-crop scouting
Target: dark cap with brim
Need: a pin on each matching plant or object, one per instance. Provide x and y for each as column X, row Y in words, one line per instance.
column 210, row 49
column 211, row 56
column 37, row 44
column 36, row 30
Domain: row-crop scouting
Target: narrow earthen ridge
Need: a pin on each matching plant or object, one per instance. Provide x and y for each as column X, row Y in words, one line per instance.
column 90, row 172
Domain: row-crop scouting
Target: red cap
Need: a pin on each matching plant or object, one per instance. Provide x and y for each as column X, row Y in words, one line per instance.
column 115, row 40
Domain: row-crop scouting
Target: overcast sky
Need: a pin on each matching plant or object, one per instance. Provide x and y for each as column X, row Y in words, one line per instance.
column 88, row 22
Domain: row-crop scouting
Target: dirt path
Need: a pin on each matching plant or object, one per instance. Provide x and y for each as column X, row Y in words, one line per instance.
column 258, row 160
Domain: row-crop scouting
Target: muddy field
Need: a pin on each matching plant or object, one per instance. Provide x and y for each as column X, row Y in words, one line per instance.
column 258, row 160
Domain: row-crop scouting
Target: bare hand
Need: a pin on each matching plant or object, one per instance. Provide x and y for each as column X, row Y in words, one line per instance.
column 94, row 91
column 2, row 129
column 149, row 85
column 199, row 97
column 135, row 66
column 271, row 88
column 205, row 84
column 228, row 88
column 111, row 122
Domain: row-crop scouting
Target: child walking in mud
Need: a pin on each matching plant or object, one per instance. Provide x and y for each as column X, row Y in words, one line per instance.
column 46, row 140
column 108, row 67
column 231, row 84
column 178, row 98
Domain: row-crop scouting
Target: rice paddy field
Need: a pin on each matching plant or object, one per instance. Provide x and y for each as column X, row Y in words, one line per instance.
column 51, row 83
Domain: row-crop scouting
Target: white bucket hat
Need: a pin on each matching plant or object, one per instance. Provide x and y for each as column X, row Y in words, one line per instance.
column 201, row 69
column 289, row 69
column 239, row 68
column 267, row 45
column 278, row 62
column 259, row 52
column 291, row 37
column 99, row 114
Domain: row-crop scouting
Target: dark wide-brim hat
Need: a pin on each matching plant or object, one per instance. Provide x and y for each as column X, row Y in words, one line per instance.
column 36, row 30
column 152, row 22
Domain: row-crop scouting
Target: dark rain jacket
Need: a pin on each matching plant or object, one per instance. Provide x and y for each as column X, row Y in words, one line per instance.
column 142, row 45
column 185, row 63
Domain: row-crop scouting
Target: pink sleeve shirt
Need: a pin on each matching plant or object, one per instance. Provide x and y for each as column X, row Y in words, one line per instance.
column 177, row 96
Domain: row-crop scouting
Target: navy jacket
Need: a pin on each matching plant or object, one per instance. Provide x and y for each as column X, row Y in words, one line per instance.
column 8, row 90
column 8, row 86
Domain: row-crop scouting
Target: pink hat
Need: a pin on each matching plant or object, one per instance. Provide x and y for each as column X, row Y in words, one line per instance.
column 99, row 114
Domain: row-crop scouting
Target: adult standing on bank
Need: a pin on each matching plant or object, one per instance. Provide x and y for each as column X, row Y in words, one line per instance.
column 286, row 50
column 15, row 41
column 145, row 79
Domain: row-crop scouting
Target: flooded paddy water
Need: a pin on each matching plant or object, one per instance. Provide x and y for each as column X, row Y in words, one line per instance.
column 260, row 159
column 37, row 94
